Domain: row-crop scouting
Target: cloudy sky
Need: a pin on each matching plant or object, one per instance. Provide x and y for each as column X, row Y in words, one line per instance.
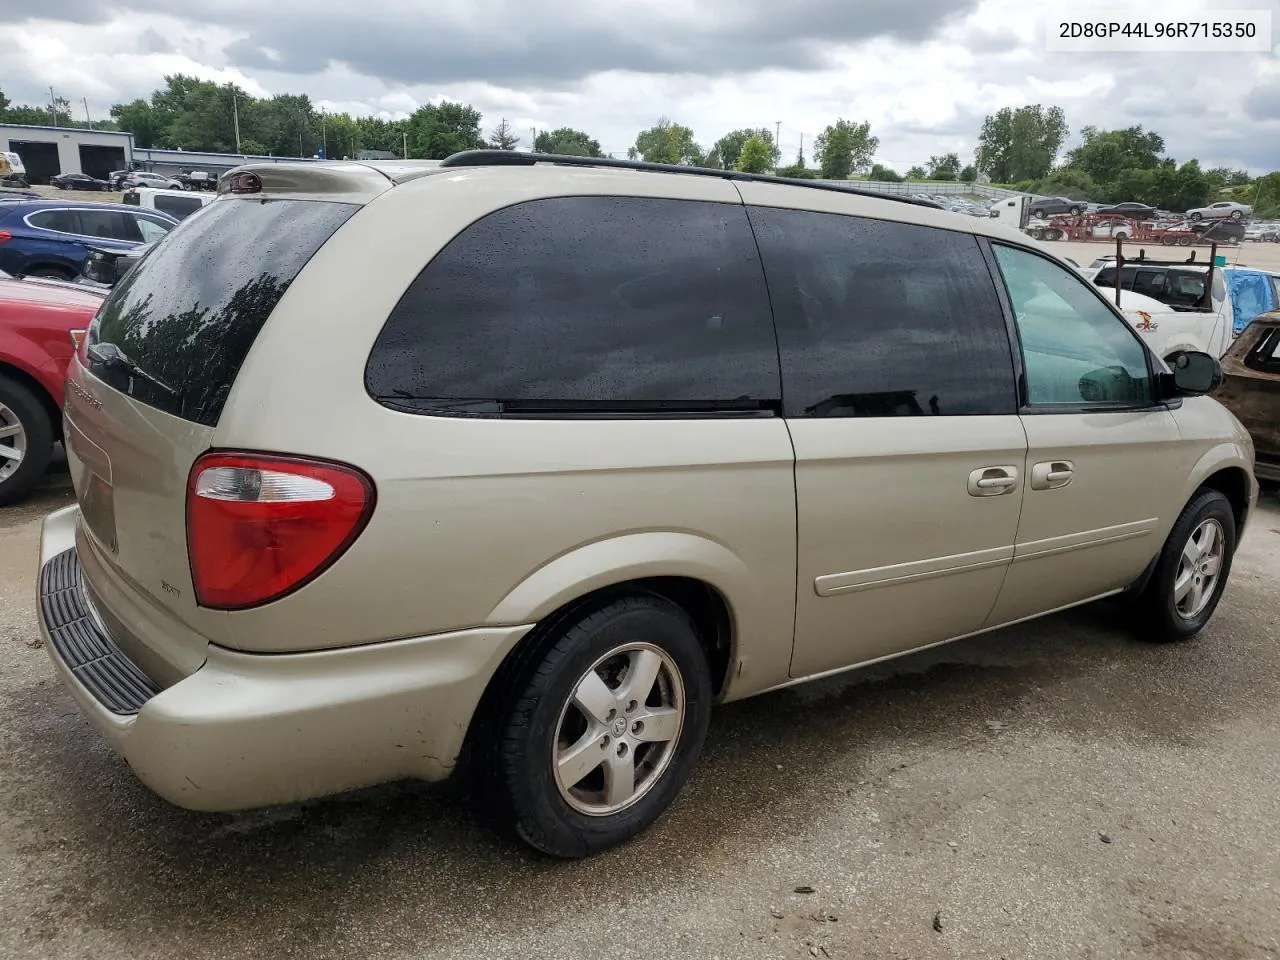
column 923, row 72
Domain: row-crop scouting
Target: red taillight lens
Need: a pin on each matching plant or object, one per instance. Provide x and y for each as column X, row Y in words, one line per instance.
column 5, row 236
column 261, row 526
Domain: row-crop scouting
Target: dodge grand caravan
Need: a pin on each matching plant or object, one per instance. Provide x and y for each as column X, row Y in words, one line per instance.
column 531, row 460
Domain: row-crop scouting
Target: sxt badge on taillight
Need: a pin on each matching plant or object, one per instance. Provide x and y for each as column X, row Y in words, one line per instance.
column 261, row 526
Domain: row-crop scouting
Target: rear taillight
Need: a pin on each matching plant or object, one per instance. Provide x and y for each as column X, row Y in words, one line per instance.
column 5, row 236
column 261, row 526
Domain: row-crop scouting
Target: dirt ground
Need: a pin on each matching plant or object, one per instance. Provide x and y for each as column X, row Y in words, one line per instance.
column 1055, row 790
column 1262, row 256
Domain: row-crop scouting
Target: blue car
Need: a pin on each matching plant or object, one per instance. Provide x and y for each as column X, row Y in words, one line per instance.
column 1253, row 292
column 51, row 238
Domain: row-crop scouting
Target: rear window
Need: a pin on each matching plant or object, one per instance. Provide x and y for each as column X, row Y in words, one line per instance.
column 178, row 207
column 186, row 316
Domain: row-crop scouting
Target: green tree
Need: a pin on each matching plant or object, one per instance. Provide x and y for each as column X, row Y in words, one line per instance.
column 438, row 130
column 667, row 142
column 917, row 173
column 568, row 142
column 843, row 148
column 1267, row 201
column 4, row 105
column 503, row 137
column 756, row 156
column 1106, row 154
column 969, row 174
column 139, row 119
column 886, row 174
column 797, row 172
column 1020, row 144
column 725, row 151
column 945, row 166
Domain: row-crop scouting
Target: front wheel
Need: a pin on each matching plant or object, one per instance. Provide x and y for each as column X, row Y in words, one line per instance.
column 1197, row 216
column 26, row 440
column 1191, row 572
column 603, row 732
column 1236, row 215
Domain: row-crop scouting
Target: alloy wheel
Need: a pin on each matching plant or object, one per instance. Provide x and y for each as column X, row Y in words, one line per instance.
column 1198, row 569
column 619, row 729
column 13, row 442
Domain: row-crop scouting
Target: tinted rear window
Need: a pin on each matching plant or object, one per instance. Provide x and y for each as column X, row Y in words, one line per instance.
column 189, row 312
column 592, row 305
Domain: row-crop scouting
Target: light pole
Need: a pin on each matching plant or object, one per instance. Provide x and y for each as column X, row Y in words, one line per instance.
column 235, row 112
column 405, row 137
column 53, row 107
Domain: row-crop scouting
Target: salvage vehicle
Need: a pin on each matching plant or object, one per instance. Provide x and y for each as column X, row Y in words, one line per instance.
column 1218, row 211
column 178, row 204
column 1196, row 319
column 51, row 238
column 1251, row 390
column 693, row 435
column 40, row 323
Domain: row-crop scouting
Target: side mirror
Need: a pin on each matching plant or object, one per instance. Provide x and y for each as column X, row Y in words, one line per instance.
column 994, row 212
column 1194, row 373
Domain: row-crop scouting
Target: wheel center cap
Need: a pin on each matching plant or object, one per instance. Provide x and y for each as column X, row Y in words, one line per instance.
column 619, row 726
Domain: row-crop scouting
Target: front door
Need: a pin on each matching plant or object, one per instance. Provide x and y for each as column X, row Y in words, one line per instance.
column 899, row 392
column 1097, row 500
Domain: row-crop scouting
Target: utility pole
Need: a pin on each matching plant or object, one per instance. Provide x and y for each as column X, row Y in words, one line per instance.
column 533, row 144
column 299, row 145
column 53, row 106
column 405, row 137
column 777, row 135
column 88, row 119
column 235, row 110
column 801, row 153
column 324, row 136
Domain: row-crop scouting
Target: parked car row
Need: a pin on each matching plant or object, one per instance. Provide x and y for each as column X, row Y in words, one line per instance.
column 51, row 238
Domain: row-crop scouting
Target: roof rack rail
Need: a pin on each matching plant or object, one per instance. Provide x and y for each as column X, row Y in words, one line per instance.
column 518, row 158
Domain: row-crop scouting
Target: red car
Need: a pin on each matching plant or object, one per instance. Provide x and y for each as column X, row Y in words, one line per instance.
column 40, row 324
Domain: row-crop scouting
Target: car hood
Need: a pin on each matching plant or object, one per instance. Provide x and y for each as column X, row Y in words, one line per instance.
column 49, row 293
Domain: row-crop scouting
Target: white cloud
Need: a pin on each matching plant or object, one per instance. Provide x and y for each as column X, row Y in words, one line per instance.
column 923, row 72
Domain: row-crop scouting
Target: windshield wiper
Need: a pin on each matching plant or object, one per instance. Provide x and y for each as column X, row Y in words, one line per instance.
column 113, row 358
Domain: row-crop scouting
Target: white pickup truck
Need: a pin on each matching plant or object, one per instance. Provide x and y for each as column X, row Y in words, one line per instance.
column 1164, row 302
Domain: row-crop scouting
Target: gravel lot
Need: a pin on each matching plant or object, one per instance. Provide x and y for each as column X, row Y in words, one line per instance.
column 1054, row 790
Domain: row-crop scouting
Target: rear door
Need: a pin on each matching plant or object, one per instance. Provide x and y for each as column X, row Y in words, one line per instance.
column 1100, row 450
column 899, row 391
column 161, row 356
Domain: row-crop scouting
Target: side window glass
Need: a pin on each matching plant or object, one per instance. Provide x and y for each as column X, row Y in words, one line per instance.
column 883, row 319
column 175, row 206
column 108, row 224
column 575, row 304
column 151, row 229
column 64, row 221
column 1265, row 355
column 1074, row 349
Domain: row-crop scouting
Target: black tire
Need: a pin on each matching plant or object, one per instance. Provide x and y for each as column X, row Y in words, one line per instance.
column 1038, row 214
column 516, row 765
column 1155, row 616
column 49, row 273
column 1197, row 216
column 1237, row 215
column 31, row 414
column 1076, row 211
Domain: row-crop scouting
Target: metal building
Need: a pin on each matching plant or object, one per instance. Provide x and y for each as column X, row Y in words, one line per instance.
column 49, row 151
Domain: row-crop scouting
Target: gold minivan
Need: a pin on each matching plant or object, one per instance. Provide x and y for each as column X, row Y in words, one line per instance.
column 533, row 459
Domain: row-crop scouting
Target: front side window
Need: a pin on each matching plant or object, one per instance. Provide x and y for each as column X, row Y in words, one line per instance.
column 1074, row 350
column 108, row 224
column 580, row 305
column 883, row 319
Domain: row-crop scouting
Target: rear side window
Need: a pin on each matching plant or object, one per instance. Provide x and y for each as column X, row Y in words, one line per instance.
column 585, row 305
column 188, row 313
column 107, row 224
column 177, row 207
column 881, row 319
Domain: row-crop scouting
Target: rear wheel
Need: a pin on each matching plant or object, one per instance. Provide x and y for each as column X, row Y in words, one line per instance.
column 1038, row 214
column 1197, row 216
column 604, row 731
column 1191, row 572
column 1236, row 215
column 26, row 440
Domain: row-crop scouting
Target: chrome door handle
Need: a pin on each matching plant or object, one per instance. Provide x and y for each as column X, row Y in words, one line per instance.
column 1052, row 474
column 992, row 481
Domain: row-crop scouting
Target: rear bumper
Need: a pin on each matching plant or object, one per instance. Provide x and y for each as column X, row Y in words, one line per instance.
column 249, row 730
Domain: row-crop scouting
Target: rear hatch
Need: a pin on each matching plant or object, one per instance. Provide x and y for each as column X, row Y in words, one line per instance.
column 143, row 401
